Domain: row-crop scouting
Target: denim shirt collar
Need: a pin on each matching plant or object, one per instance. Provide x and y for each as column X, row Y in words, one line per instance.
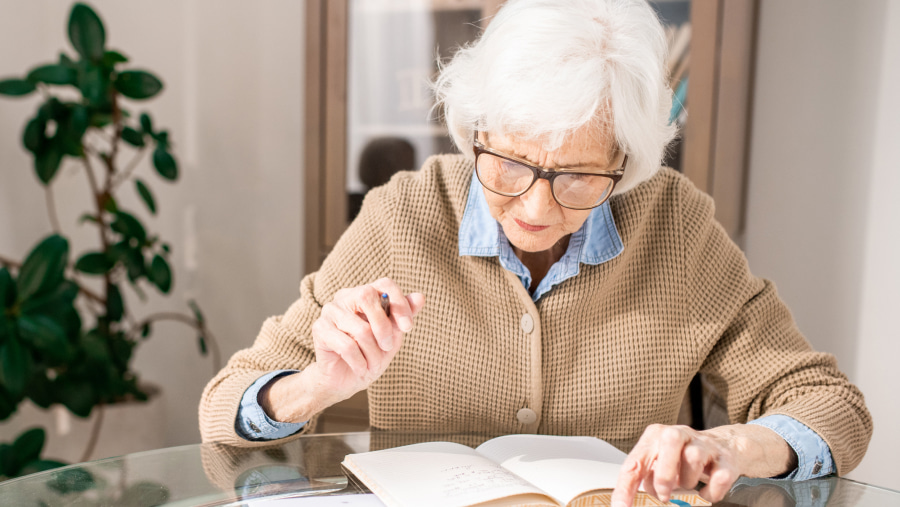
column 596, row 242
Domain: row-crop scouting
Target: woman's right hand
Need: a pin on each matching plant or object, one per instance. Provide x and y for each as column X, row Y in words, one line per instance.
column 355, row 342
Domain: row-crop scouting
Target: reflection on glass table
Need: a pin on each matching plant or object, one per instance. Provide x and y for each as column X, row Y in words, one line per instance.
column 310, row 466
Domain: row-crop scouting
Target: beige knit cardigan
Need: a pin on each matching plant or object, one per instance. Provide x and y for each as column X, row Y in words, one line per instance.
column 610, row 351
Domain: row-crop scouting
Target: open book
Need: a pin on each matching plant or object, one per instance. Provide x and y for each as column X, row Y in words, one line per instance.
column 507, row 470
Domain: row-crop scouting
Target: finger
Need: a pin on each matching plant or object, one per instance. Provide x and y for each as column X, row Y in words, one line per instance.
column 693, row 461
column 346, row 348
column 631, row 474
column 668, row 462
column 720, row 481
column 360, row 331
column 648, row 484
column 367, row 300
column 401, row 312
column 416, row 302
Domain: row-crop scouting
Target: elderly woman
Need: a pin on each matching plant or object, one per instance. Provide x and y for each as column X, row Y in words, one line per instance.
column 551, row 279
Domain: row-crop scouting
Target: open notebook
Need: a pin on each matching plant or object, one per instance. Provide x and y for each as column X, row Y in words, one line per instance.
column 507, row 470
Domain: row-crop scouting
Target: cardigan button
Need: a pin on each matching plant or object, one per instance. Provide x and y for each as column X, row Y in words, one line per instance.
column 527, row 323
column 526, row 416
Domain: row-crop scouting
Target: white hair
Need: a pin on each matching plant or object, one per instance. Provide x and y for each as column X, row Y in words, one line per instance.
column 544, row 68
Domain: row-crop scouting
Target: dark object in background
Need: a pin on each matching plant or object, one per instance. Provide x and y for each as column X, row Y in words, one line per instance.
column 379, row 160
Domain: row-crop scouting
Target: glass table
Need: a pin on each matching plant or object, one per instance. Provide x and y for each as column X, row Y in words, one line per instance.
column 309, row 468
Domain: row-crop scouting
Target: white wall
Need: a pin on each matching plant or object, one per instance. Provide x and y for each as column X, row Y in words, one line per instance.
column 821, row 221
column 233, row 105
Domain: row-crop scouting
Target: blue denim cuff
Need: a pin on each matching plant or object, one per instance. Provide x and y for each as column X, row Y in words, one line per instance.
column 252, row 421
column 813, row 455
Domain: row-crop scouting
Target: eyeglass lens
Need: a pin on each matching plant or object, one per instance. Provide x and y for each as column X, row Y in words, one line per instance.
column 510, row 178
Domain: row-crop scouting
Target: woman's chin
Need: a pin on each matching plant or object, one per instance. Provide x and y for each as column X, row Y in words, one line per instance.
column 531, row 242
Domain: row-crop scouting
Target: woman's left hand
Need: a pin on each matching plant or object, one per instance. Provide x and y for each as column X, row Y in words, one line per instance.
column 668, row 457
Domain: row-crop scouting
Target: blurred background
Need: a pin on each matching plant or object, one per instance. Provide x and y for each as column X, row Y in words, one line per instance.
column 283, row 113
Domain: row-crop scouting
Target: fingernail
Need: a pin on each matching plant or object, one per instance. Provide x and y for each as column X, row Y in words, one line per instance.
column 405, row 324
column 387, row 344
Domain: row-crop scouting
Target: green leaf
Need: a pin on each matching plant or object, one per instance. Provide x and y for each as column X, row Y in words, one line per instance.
column 71, row 480
column 51, row 109
column 47, row 160
column 95, row 349
column 165, row 164
column 93, row 82
column 162, row 139
column 66, row 61
column 28, row 445
column 138, row 84
column 77, row 396
column 44, row 267
column 122, row 350
column 101, row 120
column 133, row 137
column 46, row 335
column 129, row 226
column 52, row 74
column 146, row 124
column 110, row 58
column 72, row 122
column 86, row 32
column 201, row 320
column 201, row 341
column 16, row 87
column 81, row 120
column 87, row 217
column 146, row 330
column 7, row 290
column 110, row 204
column 33, row 137
column 160, row 274
column 145, row 194
column 132, row 258
column 7, row 407
column 40, row 390
column 94, row 263
column 41, row 465
column 6, row 329
column 8, row 461
column 115, row 305
column 52, row 303
column 15, row 366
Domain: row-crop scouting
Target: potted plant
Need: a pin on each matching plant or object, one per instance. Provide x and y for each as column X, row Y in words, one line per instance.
column 66, row 334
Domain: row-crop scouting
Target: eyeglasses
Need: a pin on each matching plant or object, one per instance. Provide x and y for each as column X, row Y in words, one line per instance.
column 510, row 176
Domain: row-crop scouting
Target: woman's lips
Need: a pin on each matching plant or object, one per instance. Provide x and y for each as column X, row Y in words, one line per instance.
column 529, row 227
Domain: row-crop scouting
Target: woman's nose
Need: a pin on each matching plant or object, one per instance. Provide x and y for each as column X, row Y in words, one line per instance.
column 538, row 200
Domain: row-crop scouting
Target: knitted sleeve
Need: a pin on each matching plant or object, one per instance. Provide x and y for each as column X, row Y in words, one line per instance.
column 285, row 342
column 757, row 358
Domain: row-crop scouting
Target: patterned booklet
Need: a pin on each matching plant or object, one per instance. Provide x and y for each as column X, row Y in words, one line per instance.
column 509, row 470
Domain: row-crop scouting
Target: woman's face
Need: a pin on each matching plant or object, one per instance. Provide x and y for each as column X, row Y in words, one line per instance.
column 534, row 221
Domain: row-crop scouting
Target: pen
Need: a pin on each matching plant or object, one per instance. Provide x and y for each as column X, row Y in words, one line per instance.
column 385, row 304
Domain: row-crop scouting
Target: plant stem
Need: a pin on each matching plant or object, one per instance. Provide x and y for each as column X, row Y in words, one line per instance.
column 95, row 433
column 124, row 175
column 114, row 149
column 91, row 295
column 178, row 317
column 51, row 210
column 99, row 199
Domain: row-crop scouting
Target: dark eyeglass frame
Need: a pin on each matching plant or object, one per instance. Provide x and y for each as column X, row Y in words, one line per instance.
column 541, row 173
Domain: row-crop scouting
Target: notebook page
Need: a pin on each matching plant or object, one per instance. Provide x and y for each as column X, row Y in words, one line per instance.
column 439, row 474
column 564, row 467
